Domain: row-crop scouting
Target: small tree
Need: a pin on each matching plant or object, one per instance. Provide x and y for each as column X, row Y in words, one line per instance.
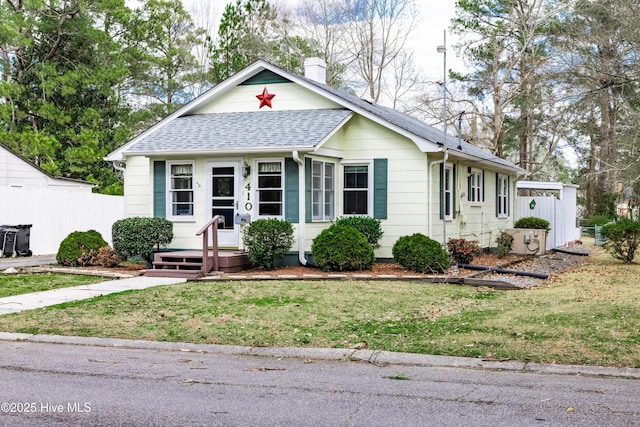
column 624, row 239
column 138, row 236
column 267, row 240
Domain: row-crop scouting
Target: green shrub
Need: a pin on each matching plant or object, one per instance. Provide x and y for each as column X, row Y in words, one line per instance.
column 342, row 248
column 533, row 222
column 367, row 225
column 624, row 238
column 138, row 236
column 504, row 243
column 267, row 240
column 80, row 248
column 420, row 253
column 463, row 251
column 597, row 220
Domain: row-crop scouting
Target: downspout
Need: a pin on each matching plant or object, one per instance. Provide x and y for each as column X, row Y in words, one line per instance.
column 442, row 162
column 301, row 207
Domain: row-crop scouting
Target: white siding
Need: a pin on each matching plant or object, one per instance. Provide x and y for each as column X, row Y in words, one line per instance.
column 289, row 96
column 16, row 172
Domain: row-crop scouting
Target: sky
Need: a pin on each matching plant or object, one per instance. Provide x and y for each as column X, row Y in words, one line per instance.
column 434, row 18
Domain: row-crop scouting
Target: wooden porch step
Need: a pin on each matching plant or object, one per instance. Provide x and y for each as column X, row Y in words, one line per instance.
column 188, row 263
column 183, row 274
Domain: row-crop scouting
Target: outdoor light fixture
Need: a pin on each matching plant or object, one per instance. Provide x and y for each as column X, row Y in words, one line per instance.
column 246, row 170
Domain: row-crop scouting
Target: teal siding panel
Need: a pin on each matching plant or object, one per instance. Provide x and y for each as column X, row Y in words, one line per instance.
column 160, row 189
column 265, row 77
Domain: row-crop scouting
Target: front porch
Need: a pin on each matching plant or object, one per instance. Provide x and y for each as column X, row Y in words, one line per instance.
column 192, row 264
column 189, row 264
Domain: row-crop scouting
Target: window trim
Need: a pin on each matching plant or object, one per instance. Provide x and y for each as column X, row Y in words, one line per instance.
column 502, row 193
column 256, row 182
column 322, row 191
column 370, row 193
column 170, row 191
column 448, row 191
column 477, row 176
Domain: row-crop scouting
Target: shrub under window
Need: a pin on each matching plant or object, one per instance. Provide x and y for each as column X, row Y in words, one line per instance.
column 342, row 248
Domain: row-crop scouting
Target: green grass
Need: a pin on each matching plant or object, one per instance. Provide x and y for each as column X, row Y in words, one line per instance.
column 26, row 283
column 588, row 316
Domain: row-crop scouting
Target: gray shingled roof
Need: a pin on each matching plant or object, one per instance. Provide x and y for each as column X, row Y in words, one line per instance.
column 416, row 127
column 244, row 131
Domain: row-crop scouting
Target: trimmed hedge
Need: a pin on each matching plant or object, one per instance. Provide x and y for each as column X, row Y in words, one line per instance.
column 139, row 236
column 80, row 248
column 267, row 240
column 421, row 254
column 533, row 222
column 367, row 225
column 342, row 248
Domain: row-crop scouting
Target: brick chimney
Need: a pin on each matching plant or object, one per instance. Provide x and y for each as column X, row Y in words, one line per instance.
column 315, row 69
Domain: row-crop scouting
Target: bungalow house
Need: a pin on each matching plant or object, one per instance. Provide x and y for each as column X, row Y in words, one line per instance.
column 267, row 143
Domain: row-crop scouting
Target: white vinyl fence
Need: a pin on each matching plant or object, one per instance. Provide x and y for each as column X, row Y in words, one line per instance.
column 54, row 213
column 561, row 217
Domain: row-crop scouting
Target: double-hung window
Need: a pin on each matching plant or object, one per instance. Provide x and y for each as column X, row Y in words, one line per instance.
column 447, row 188
column 476, row 184
column 270, row 188
column 180, row 185
column 323, row 190
column 356, row 190
column 502, row 196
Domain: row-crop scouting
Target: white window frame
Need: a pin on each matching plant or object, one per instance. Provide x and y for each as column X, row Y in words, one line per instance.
column 369, row 165
column 476, row 187
column 323, row 198
column 258, row 189
column 502, row 198
column 170, row 191
column 448, row 193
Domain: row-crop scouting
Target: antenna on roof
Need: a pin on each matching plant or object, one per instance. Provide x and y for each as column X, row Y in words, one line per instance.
column 460, row 130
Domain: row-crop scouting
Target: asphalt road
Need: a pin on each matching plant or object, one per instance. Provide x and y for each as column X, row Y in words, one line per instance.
column 55, row 384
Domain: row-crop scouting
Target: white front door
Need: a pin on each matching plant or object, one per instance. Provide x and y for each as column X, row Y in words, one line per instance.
column 224, row 193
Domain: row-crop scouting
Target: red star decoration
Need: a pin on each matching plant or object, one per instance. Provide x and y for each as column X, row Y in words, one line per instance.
column 265, row 98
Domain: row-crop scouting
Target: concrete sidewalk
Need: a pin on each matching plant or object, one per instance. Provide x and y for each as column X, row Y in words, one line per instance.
column 17, row 303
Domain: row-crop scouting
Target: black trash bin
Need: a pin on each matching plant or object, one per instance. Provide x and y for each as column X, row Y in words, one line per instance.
column 8, row 237
column 22, row 235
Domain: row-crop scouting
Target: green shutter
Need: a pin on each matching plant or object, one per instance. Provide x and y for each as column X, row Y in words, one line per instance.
column 441, row 191
column 160, row 189
column 483, row 189
column 497, row 197
column 508, row 196
column 292, row 193
column 469, row 178
column 380, row 188
column 308, row 186
column 453, row 192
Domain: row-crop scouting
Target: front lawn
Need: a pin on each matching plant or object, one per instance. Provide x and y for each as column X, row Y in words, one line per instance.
column 587, row 316
column 16, row 284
